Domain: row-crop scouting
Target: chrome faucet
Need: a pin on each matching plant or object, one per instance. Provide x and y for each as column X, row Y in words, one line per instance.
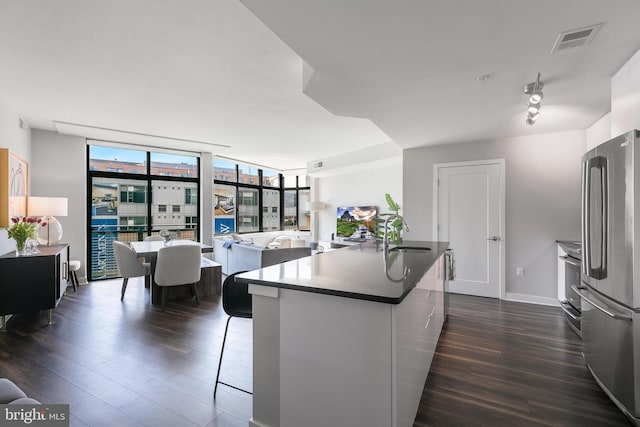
column 385, row 241
column 385, row 245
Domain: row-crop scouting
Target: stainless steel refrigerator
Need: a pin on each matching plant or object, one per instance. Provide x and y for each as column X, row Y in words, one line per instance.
column 610, row 279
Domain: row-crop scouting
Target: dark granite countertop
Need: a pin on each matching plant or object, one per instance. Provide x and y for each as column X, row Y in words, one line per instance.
column 356, row 271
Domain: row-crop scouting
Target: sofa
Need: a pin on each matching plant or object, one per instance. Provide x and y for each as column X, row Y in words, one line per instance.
column 12, row 394
column 245, row 252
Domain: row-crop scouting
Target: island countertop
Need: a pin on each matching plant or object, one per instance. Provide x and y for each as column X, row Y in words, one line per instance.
column 360, row 271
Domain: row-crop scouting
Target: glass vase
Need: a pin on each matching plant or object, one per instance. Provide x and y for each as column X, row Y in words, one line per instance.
column 21, row 246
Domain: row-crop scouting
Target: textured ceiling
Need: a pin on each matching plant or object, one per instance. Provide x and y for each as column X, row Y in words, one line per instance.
column 413, row 67
column 213, row 72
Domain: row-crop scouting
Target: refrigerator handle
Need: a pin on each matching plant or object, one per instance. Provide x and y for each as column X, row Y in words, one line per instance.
column 600, row 271
column 604, row 181
column 586, row 217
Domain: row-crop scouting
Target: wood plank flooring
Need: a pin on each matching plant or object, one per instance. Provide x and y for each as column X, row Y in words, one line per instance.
column 129, row 364
column 503, row 363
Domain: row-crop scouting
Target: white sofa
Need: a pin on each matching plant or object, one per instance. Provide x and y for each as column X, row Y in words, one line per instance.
column 245, row 252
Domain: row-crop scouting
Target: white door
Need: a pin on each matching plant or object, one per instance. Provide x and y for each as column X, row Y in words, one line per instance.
column 470, row 216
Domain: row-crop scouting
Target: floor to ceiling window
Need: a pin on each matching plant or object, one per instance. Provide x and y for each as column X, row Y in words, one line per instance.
column 249, row 199
column 134, row 194
column 296, row 203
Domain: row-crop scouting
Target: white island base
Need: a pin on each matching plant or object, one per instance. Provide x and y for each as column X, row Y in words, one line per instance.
column 322, row 360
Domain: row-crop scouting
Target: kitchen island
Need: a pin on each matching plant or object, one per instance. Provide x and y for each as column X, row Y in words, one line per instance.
column 346, row 338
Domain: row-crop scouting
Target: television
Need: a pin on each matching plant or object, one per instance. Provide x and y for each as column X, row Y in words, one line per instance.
column 356, row 222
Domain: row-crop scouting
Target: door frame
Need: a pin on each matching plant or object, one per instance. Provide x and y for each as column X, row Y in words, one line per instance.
column 503, row 208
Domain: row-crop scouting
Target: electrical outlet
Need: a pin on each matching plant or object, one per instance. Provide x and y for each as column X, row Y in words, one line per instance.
column 519, row 271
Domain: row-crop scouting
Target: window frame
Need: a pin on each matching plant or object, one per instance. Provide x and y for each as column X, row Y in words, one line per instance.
column 145, row 178
column 237, row 184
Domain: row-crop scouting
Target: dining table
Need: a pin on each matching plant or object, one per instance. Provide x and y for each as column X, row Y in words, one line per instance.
column 149, row 251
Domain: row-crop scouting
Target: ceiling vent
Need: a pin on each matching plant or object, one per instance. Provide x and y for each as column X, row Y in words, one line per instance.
column 317, row 165
column 575, row 38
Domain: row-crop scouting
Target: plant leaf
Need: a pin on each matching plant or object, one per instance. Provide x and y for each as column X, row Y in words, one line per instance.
column 393, row 206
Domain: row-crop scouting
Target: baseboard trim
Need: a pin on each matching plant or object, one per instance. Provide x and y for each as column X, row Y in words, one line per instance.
column 531, row 299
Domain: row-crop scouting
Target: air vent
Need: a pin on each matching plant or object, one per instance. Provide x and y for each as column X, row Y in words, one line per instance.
column 575, row 38
column 317, row 165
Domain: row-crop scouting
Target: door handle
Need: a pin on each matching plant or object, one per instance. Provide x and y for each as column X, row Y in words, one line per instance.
column 494, row 238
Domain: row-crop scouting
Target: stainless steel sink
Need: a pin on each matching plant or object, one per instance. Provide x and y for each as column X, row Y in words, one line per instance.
column 402, row 248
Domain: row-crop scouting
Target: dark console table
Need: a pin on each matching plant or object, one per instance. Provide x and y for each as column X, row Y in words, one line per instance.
column 33, row 282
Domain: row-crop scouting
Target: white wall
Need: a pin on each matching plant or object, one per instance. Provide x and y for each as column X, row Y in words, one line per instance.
column 625, row 97
column 58, row 169
column 364, row 187
column 599, row 132
column 18, row 141
column 542, row 201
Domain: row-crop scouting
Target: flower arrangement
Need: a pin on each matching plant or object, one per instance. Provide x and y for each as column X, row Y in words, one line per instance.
column 24, row 228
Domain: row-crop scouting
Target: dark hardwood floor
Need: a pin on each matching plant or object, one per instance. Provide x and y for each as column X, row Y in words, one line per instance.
column 129, row 364
column 503, row 363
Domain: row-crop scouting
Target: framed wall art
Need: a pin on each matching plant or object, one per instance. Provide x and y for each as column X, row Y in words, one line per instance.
column 14, row 178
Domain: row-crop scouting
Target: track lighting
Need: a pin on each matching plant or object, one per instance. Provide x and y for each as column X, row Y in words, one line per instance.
column 534, row 90
column 534, row 108
column 536, row 97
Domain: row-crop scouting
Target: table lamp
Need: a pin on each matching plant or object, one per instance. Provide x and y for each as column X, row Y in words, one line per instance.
column 48, row 208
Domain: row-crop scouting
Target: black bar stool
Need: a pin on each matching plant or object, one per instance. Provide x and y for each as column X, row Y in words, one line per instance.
column 236, row 302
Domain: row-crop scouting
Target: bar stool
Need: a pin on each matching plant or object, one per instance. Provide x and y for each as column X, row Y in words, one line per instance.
column 236, row 302
column 74, row 266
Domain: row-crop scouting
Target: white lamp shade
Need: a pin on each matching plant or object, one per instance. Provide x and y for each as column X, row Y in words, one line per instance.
column 47, row 206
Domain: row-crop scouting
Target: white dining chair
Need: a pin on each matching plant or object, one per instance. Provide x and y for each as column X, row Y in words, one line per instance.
column 178, row 265
column 129, row 264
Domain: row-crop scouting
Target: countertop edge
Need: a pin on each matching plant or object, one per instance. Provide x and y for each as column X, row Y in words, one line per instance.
column 441, row 248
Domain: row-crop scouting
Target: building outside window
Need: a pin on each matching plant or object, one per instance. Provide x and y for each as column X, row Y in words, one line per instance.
column 191, row 221
column 248, row 174
column 128, row 203
column 290, row 210
column 169, row 197
column 224, row 170
column 296, row 203
column 270, row 178
column 133, row 194
column 270, row 210
column 248, row 218
column 190, row 196
column 132, row 223
column 164, row 164
column 248, row 199
column 224, row 209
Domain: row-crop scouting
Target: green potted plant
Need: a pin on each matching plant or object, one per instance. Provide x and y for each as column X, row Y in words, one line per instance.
column 395, row 226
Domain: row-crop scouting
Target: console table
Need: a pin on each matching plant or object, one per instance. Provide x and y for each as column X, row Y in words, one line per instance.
column 33, row 282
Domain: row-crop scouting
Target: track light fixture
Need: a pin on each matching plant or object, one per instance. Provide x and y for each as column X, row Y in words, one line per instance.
column 534, row 90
